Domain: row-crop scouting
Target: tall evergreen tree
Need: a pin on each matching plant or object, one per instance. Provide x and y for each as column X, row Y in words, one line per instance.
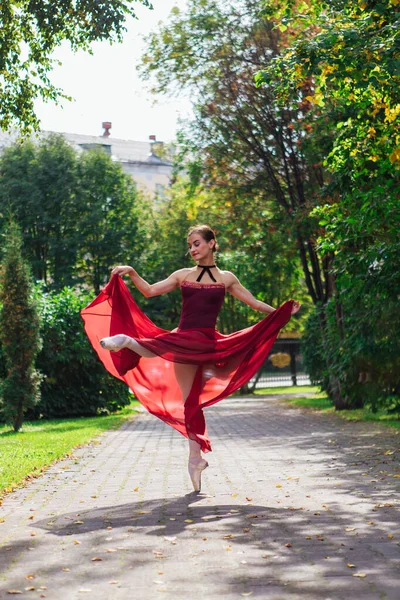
column 19, row 332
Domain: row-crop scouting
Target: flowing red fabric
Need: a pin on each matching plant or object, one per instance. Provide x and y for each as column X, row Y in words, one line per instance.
column 224, row 362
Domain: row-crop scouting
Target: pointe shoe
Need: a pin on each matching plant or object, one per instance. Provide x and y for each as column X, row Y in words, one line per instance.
column 114, row 343
column 195, row 470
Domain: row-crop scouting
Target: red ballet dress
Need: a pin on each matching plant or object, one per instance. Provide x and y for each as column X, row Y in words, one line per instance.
column 224, row 362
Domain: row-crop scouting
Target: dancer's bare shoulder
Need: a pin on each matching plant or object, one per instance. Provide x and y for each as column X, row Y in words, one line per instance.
column 181, row 274
column 228, row 278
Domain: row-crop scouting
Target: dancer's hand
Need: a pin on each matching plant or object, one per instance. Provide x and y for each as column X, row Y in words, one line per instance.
column 122, row 270
column 296, row 307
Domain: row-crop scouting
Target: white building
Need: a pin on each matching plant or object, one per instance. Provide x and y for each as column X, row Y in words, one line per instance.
column 138, row 159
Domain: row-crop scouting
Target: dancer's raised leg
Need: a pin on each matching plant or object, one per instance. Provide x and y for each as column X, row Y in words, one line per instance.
column 117, row 342
column 185, row 375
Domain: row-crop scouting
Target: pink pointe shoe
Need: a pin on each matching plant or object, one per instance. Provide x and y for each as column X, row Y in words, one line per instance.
column 114, row 343
column 195, row 469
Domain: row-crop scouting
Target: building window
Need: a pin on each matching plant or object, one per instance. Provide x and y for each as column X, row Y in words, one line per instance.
column 160, row 190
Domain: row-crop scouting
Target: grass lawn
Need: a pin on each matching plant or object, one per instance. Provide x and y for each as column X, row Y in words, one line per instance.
column 293, row 389
column 40, row 443
column 319, row 401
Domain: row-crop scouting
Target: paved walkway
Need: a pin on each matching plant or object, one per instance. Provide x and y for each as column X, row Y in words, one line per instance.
column 295, row 505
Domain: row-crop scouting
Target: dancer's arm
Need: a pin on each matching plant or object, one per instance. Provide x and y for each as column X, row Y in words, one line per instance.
column 147, row 289
column 235, row 288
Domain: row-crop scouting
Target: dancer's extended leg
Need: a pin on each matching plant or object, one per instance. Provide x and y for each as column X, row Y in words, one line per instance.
column 117, row 342
column 185, row 375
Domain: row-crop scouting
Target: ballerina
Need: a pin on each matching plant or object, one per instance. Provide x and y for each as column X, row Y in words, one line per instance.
column 176, row 374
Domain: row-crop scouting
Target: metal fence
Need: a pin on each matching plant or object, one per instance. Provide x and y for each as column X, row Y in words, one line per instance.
column 292, row 374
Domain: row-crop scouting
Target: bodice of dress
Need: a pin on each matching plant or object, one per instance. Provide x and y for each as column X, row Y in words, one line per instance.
column 201, row 304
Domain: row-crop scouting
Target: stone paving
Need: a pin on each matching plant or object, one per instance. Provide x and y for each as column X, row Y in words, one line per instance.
column 295, row 505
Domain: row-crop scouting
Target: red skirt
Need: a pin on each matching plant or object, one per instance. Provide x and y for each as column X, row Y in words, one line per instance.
column 224, row 362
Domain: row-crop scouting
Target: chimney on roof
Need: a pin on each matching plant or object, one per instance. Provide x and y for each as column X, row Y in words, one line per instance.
column 152, row 138
column 107, row 126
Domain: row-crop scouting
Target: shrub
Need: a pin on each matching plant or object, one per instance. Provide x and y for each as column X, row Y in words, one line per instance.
column 75, row 382
column 19, row 333
column 364, row 359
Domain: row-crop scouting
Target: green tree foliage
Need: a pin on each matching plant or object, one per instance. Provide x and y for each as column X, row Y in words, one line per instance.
column 31, row 31
column 348, row 54
column 108, row 217
column 38, row 184
column 78, row 213
column 19, row 332
column 242, row 139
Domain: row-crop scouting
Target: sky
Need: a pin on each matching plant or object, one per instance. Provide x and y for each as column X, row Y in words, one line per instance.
column 106, row 87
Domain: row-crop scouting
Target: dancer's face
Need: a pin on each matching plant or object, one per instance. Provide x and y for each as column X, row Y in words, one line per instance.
column 198, row 247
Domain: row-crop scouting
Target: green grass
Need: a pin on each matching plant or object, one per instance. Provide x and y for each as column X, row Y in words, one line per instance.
column 299, row 389
column 40, row 443
column 320, row 402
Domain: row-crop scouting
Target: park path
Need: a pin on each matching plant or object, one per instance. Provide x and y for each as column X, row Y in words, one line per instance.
column 292, row 498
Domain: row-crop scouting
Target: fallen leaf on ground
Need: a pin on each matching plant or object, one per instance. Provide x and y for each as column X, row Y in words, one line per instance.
column 288, row 545
column 188, row 521
column 349, row 528
column 110, row 550
column 278, row 485
column 228, row 536
column 249, row 499
column 359, row 574
column 65, row 569
column 113, row 581
column 136, row 489
column 14, row 592
column 246, row 530
column 30, row 576
column 351, row 566
column 97, row 558
column 390, row 536
column 76, row 542
column 30, row 589
column 78, row 522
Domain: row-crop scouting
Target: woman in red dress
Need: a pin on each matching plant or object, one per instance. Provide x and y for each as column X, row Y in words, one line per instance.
column 176, row 374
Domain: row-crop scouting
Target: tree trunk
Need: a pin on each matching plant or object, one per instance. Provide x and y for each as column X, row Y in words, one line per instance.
column 19, row 416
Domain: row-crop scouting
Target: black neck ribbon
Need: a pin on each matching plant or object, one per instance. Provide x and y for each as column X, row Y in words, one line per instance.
column 206, row 269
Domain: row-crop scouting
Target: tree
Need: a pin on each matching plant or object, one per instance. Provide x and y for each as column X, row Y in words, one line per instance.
column 38, row 184
column 347, row 52
column 108, row 229
column 78, row 213
column 241, row 136
column 19, row 332
column 31, row 31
